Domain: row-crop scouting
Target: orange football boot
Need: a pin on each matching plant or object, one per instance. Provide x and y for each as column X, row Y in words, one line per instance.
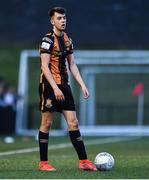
column 87, row 165
column 45, row 166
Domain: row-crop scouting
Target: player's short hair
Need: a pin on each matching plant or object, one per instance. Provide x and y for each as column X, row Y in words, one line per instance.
column 60, row 10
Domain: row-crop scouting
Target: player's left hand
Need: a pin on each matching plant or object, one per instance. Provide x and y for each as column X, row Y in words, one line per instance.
column 85, row 92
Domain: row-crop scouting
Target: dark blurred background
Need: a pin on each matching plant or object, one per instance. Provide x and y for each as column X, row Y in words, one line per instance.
column 100, row 24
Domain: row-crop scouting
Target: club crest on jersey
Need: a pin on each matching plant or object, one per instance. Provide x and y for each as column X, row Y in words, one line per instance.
column 55, row 45
column 67, row 44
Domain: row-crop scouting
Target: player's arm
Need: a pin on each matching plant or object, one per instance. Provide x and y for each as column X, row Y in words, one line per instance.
column 76, row 74
column 45, row 59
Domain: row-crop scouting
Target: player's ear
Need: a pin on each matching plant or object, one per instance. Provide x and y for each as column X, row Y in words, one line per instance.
column 52, row 22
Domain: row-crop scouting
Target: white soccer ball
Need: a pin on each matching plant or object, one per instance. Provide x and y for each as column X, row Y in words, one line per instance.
column 104, row 161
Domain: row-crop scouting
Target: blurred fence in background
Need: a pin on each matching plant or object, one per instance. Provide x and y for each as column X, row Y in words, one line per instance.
column 110, row 77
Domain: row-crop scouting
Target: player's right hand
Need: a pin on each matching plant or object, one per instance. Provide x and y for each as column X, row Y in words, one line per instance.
column 59, row 95
column 85, row 92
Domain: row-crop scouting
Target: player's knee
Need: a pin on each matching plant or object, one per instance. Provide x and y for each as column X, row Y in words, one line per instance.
column 73, row 124
column 46, row 124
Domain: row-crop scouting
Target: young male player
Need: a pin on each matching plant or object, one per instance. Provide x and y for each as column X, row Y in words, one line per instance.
column 56, row 50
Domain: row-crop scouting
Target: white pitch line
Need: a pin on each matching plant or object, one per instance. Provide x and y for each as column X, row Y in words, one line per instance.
column 64, row 145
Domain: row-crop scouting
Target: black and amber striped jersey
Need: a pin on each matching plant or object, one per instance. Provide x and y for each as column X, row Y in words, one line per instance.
column 58, row 48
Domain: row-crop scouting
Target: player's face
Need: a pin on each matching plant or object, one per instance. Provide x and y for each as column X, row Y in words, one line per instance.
column 59, row 21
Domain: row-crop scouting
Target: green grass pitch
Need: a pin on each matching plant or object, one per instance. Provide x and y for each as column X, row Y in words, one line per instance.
column 131, row 160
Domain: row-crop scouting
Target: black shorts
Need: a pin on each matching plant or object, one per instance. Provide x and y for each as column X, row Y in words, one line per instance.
column 48, row 101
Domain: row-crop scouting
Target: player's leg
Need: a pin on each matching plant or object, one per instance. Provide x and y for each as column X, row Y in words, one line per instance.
column 46, row 122
column 74, row 133
column 77, row 140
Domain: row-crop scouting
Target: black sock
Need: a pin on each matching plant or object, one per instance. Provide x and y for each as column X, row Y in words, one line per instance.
column 43, row 145
column 78, row 144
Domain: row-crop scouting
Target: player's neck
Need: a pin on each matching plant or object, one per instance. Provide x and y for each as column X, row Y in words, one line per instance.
column 57, row 32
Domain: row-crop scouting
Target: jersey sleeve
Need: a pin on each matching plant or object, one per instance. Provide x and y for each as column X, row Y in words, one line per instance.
column 46, row 44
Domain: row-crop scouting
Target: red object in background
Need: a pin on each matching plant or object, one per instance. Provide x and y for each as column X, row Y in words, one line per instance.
column 138, row 89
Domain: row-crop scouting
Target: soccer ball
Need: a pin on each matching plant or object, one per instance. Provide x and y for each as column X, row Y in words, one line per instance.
column 104, row 161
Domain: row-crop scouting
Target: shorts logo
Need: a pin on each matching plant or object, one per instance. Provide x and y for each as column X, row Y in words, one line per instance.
column 45, row 45
column 48, row 103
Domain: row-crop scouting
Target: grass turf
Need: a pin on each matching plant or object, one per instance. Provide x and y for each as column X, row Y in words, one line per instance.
column 131, row 159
